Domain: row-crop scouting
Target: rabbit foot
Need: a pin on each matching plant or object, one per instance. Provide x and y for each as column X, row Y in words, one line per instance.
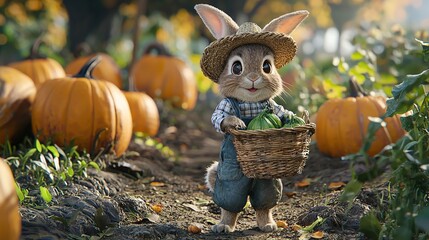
column 270, row 227
column 220, row 228
column 264, row 219
column 227, row 222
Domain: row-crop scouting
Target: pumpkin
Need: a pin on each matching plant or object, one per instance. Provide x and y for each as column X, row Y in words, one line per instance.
column 38, row 68
column 166, row 77
column 92, row 114
column 342, row 124
column 144, row 112
column 10, row 220
column 17, row 93
column 107, row 69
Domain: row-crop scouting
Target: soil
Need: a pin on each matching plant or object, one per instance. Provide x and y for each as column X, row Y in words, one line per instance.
column 145, row 195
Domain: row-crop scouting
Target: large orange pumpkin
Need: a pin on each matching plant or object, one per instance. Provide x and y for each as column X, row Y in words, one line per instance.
column 90, row 113
column 38, row 68
column 17, row 93
column 342, row 125
column 107, row 69
column 166, row 77
column 10, row 220
column 144, row 111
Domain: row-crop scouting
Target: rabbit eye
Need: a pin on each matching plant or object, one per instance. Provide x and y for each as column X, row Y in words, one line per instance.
column 266, row 66
column 237, row 68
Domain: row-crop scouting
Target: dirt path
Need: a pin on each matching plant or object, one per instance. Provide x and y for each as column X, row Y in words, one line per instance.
column 169, row 196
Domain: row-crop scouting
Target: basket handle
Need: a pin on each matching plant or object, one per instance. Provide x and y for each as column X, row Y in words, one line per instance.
column 306, row 117
column 309, row 124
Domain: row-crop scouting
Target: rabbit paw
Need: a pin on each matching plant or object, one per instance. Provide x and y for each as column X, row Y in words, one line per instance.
column 270, row 227
column 232, row 122
column 220, row 228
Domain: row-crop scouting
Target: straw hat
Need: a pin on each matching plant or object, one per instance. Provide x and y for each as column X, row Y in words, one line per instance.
column 215, row 55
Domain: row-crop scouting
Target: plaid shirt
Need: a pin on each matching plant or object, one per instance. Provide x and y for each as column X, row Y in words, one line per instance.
column 247, row 109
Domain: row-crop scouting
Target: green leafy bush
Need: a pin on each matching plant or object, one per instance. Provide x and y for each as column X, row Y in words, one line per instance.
column 407, row 213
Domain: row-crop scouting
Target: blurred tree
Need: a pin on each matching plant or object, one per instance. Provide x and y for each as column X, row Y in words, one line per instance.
column 91, row 19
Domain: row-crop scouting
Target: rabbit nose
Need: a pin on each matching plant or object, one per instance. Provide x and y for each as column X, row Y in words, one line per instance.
column 252, row 76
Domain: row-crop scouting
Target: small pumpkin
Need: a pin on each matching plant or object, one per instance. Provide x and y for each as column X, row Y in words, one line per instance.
column 166, row 77
column 39, row 69
column 17, row 92
column 10, row 220
column 144, row 112
column 107, row 69
column 342, row 124
column 92, row 114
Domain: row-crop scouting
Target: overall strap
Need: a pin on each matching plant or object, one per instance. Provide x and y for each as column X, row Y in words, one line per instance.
column 234, row 104
column 269, row 103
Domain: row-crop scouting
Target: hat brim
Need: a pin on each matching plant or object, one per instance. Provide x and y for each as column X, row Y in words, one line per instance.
column 215, row 55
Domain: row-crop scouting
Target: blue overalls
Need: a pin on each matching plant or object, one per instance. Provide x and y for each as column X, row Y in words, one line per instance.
column 232, row 187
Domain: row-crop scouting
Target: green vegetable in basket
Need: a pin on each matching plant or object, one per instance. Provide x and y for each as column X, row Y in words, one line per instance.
column 294, row 121
column 265, row 120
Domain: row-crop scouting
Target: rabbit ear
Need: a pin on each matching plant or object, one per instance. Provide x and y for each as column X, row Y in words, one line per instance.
column 286, row 23
column 218, row 22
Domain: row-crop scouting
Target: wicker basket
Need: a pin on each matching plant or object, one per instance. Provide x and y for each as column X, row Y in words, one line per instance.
column 273, row 153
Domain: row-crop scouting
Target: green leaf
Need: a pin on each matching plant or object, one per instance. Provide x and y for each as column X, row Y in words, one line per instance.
column 29, row 153
column 332, row 89
column 61, row 151
column 351, row 190
column 310, row 227
column 422, row 219
column 357, row 55
column 38, row 146
column 407, row 93
column 70, row 171
column 19, row 193
column 94, row 165
column 45, row 194
column 410, row 82
column 53, row 150
column 407, row 122
column 425, row 46
column 370, row 226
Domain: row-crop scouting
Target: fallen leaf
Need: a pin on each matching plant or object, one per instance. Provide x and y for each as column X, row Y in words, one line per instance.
column 296, row 227
column 201, row 201
column 317, row 235
column 336, row 185
column 192, row 206
column 304, row 183
column 157, row 184
column 304, row 236
column 194, row 228
column 281, row 224
column 212, row 221
column 290, row 194
column 202, row 187
column 157, row 207
column 152, row 218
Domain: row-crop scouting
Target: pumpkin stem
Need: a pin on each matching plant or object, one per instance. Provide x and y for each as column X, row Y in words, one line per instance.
column 86, row 70
column 355, row 90
column 34, row 53
column 158, row 48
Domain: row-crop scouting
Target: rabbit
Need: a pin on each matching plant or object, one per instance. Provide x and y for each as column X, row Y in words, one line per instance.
column 243, row 60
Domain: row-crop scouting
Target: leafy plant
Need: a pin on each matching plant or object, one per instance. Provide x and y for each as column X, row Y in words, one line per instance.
column 44, row 168
column 407, row 214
